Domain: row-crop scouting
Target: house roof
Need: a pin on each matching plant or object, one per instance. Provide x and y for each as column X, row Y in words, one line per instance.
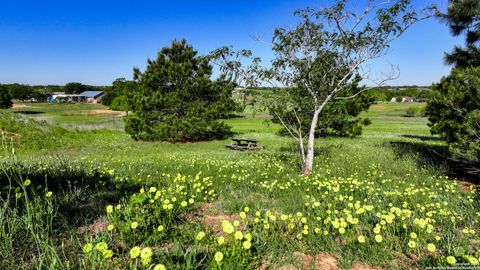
column 91, row 94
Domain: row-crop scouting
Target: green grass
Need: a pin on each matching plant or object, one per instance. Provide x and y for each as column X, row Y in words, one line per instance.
column 395, row 163
column 83, row 116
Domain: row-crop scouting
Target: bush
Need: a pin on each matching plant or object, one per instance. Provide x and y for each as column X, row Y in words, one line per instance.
column 119, row 104
column 411, row 112
column 5, row 98
column 108, row 98
column 454, row 113
column 120, row 88
column 27, row 133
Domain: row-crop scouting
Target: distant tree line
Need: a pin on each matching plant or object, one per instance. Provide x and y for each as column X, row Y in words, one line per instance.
column 383, row 93
column 121, row 86
column 387, row 93
column 40, row 93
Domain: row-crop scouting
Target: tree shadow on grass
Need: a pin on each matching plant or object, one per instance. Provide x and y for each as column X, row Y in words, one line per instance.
column 422, row 138
column 28, row 112
column 232, row 116
column 290, row 155
column 81, row 195
column 434, row 155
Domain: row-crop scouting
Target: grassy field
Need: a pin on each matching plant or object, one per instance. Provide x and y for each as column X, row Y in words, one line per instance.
column 73, row 115
column 79, row 193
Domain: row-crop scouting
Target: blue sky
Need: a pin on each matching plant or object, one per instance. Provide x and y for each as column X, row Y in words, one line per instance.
column 94, row 42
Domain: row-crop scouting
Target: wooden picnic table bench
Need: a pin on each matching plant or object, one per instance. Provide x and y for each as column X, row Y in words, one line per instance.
column 244, row 144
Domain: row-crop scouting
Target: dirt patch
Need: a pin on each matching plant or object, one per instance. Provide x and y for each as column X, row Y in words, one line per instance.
column 363, row 267
column 96, row 227
column 263, row 265
column 214, row 222
column 377, row 107
column 465, row 186
column 16, row 106
column 10, row 135
column 304, row 259
column 286, row 267
column 321, row 261
column 211, row 216
column 325, row 261
column 96, row 112
column 210, row 208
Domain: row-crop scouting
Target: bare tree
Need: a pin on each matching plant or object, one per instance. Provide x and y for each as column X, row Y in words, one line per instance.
column 322, row 56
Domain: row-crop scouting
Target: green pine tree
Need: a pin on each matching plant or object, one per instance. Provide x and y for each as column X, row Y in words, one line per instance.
column 176, row 100
column 454, row 113
column 463, row 18
column 454, row 110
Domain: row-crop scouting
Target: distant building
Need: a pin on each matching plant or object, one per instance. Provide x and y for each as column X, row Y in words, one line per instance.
column 422, row 100
column 62, row 97
column 93, row 96
column 87, row 96
column 403, row 99
column 408, row 99
column 54, row 96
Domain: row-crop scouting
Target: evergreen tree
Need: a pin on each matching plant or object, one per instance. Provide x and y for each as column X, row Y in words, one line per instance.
column 454, row 110
column 120, row 103
column 454, row 113
column 463, row 18
column 176, row 100
column 5, row 98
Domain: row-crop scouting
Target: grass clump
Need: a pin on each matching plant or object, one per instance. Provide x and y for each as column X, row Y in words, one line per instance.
column 27, row 133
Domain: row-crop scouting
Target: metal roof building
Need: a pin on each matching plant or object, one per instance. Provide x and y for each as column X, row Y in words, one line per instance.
column 92, row 94
column 88, row 96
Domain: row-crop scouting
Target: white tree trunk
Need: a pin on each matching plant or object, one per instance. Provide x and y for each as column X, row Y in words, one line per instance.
column 308, row 164
column 302, row 147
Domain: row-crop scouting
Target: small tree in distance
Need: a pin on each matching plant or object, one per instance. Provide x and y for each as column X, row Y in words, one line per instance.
column 74, row 88
column 120, row 87
column 323, row 55
column 5, row 98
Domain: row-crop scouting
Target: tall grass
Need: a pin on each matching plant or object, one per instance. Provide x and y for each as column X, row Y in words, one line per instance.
column 26, row 222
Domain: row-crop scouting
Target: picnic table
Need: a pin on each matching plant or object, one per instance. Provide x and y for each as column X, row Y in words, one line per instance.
column 244, row 144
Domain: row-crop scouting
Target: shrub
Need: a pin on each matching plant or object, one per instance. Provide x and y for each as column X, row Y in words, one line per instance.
column 119, row 104
column 411, row 112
